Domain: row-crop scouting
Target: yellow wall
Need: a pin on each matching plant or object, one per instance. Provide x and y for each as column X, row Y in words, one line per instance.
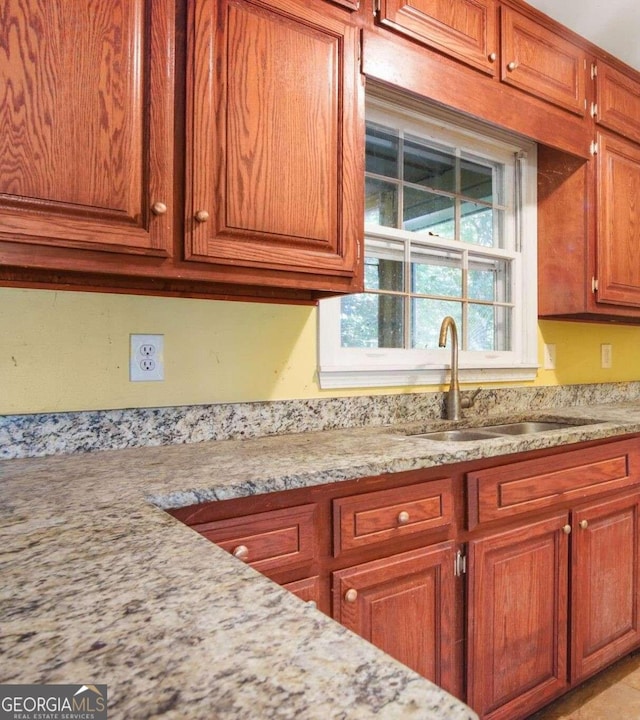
column 65, row 351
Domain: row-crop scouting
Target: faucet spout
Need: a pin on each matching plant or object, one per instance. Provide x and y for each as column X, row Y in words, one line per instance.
column 453, row 404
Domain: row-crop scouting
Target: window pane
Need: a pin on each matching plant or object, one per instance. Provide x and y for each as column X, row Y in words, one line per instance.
column 427, row 166
column 368, row 320
column 489, row 280
column 488, row 327
column 477, row 225
column 382, row 148
column 381, row 203
column 381, row 274
column 427, row 316
column 436, row 273
column 424, row 211
column 476, row 181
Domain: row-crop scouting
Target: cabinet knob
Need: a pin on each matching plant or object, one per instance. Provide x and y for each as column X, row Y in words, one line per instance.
column 351, row 595
column 512, row 66
column 584, row 524
column 566, row 529
column 202, row 216
column 158, row 208
column 492, row 57
column 241, row 552
column 403, row 517
column 312, row 603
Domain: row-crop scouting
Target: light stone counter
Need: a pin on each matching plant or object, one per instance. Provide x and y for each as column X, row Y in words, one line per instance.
column 99, row 585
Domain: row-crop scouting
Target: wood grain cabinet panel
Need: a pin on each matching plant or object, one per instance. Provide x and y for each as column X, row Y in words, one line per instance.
column 605, row 583
column 275, row 143
column 271, row 541
column 618, row 101
column 541, row 62
column 618, row 250
column 404, row 605
column 307, row 589
column 517, row 619
column 364, row 520
column 463, row 29
column 86, row 128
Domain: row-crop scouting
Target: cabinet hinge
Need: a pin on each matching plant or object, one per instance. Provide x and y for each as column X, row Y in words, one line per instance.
column 594, row 71
column 594, row 285
column 459, row 564
column 594, row 109
column 593, row 148
column 376, row 8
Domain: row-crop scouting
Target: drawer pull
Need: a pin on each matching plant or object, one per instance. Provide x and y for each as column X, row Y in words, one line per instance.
column 312, row 603
column 403, row 517
column 566, row 529
column 351, row 595
column 241, row 552
column 493, row 57
column 512, row 66
column 584, row 524
column 158, row 208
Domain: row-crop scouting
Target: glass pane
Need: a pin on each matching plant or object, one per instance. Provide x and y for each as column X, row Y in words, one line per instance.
column 426, row 318
column 426, row 212
column 476, row 181
column 368, row 320
column 382, row 147
column 477, row 224
column 427, row 166
column 436, row 273
column 381, row 203
column 488, row 327
column 489, row 280
column 381, row 274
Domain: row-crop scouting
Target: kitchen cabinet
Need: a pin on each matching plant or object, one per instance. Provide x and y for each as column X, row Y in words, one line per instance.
column 542, row 62
column 518, row 585
column 463, row 29
column 617, row 105
column 404, row 605
column 86, row 132
column 275, row 143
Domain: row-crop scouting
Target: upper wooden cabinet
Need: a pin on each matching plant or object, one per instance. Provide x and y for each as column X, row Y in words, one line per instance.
column 464, row 29
column 275, row 156
column 86, row 129
column 617, row 101
column 541, row 62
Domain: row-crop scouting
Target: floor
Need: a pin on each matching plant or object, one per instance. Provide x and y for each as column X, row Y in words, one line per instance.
column 614, row 694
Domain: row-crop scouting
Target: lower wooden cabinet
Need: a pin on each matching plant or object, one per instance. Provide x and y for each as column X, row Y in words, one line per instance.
column 404, row 605
column 550, row 603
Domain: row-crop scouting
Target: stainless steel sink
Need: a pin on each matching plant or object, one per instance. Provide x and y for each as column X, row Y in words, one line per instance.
column 529, row 426
column 491, row 432
column 458, row 435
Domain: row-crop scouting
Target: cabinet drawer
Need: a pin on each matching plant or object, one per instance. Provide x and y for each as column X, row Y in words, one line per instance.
column 272, row 540
column 531, row 485
column 362, row 520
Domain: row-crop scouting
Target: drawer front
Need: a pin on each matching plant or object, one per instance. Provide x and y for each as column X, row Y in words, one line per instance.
column 531, row 485
column 272, row 540
column 375, row 517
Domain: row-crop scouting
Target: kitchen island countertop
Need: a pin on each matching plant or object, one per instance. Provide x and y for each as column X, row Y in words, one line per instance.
column 100, row 585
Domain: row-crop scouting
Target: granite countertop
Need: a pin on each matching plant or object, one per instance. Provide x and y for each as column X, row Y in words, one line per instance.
column 100, row 585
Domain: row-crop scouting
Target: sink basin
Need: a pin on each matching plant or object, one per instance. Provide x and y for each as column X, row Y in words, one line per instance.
column 458, row 435
column 522, row 428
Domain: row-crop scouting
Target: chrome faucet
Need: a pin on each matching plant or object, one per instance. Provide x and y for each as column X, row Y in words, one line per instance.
column 454, row 403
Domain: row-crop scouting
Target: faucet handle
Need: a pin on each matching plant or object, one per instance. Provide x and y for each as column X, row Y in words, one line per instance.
column 468, row 400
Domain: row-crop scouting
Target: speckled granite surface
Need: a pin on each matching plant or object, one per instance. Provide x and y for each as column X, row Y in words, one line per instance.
column 54, row 433
column 101, row 586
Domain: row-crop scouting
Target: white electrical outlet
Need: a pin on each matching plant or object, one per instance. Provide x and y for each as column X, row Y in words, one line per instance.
column 146, row 358
column 549, row 356
column 606, row 353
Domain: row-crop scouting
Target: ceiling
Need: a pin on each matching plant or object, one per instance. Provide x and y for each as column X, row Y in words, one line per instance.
column 611, row 24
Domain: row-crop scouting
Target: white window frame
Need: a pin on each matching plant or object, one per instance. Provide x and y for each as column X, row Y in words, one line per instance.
column 341, row 367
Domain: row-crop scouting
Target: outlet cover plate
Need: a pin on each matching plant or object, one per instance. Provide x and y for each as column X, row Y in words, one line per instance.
column 146, row 358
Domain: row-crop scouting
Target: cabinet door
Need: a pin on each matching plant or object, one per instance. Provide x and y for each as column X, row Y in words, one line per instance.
column 539, row 61
column 618, row 250
column 618, row 101
column 275, row 138
column 405, row 605
column 517, row 618
column 86, row 129
column 464, row 29
column 605, row 583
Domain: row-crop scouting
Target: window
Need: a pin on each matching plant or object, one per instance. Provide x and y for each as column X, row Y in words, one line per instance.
column 450, row 229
